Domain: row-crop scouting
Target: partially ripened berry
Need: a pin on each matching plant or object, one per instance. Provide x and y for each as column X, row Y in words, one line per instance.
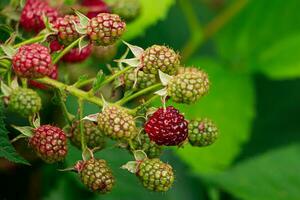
column 202, row 132
column 50, row 143
column 75, row 55
column 155, row 175
column 127, row 9
column 105, row 29
column 116, row 123
column 167, row 127
column 66, row 29
column 143, row 142
column 94, row 138
column 105, row 54
column 24, row 101
column 32, row 15
column 188, row 87
column 160, row 58
column 96, row 175
column 95, row 7
column 32, row 61
column 142, row 79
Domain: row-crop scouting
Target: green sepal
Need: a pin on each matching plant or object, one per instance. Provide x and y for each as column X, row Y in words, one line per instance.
column 131, row 166
column 139, row 155
column 5, row 89
column 25, row 130
column 81, row 28
column 8, row 50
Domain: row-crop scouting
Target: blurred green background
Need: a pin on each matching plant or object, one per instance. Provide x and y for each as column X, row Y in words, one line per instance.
column 251, row 51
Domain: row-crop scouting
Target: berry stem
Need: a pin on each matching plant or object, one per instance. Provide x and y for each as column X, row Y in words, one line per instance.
column 72, row 90
column 84, row 83
column 115, row 75
column 140, row 93
column 38, row 38
column 210, row 29
column 112, row 77
column 80, row 109
column 66, row 50
column 24, row 82
column 68, row 117
column 146, row 103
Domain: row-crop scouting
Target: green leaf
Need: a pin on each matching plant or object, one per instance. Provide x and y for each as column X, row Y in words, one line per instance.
column 24, row 130
column 230, row 103
column 266, row 41
column 7, row 151
column 281, row 60
column 152, row 12
column 98, row 81
column 8, row 50
column 273, row 175
column 6, row 31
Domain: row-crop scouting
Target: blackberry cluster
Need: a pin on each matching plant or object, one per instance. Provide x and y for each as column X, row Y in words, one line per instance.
column 127, row 121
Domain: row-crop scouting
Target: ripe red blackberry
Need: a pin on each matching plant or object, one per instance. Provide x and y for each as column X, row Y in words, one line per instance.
column 32, row 15
column 105, row 29
column 32, row 61
column 55, row 45
column 50, row 143
column 95, row 7
column 75, row 55
column 167, row 127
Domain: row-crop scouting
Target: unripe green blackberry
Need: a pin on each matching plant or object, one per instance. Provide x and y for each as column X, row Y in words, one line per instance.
column 127, row 9
column 142, row 79
column 105, row 29
column 182, row 70
column 116, row 123
column 160, row 58
column 155, row 175
column 96, row 175
column 188, row 87
column 105, row 54
column 143, row 142
column 94, row 138
column 202, row 132
column 24, row 101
